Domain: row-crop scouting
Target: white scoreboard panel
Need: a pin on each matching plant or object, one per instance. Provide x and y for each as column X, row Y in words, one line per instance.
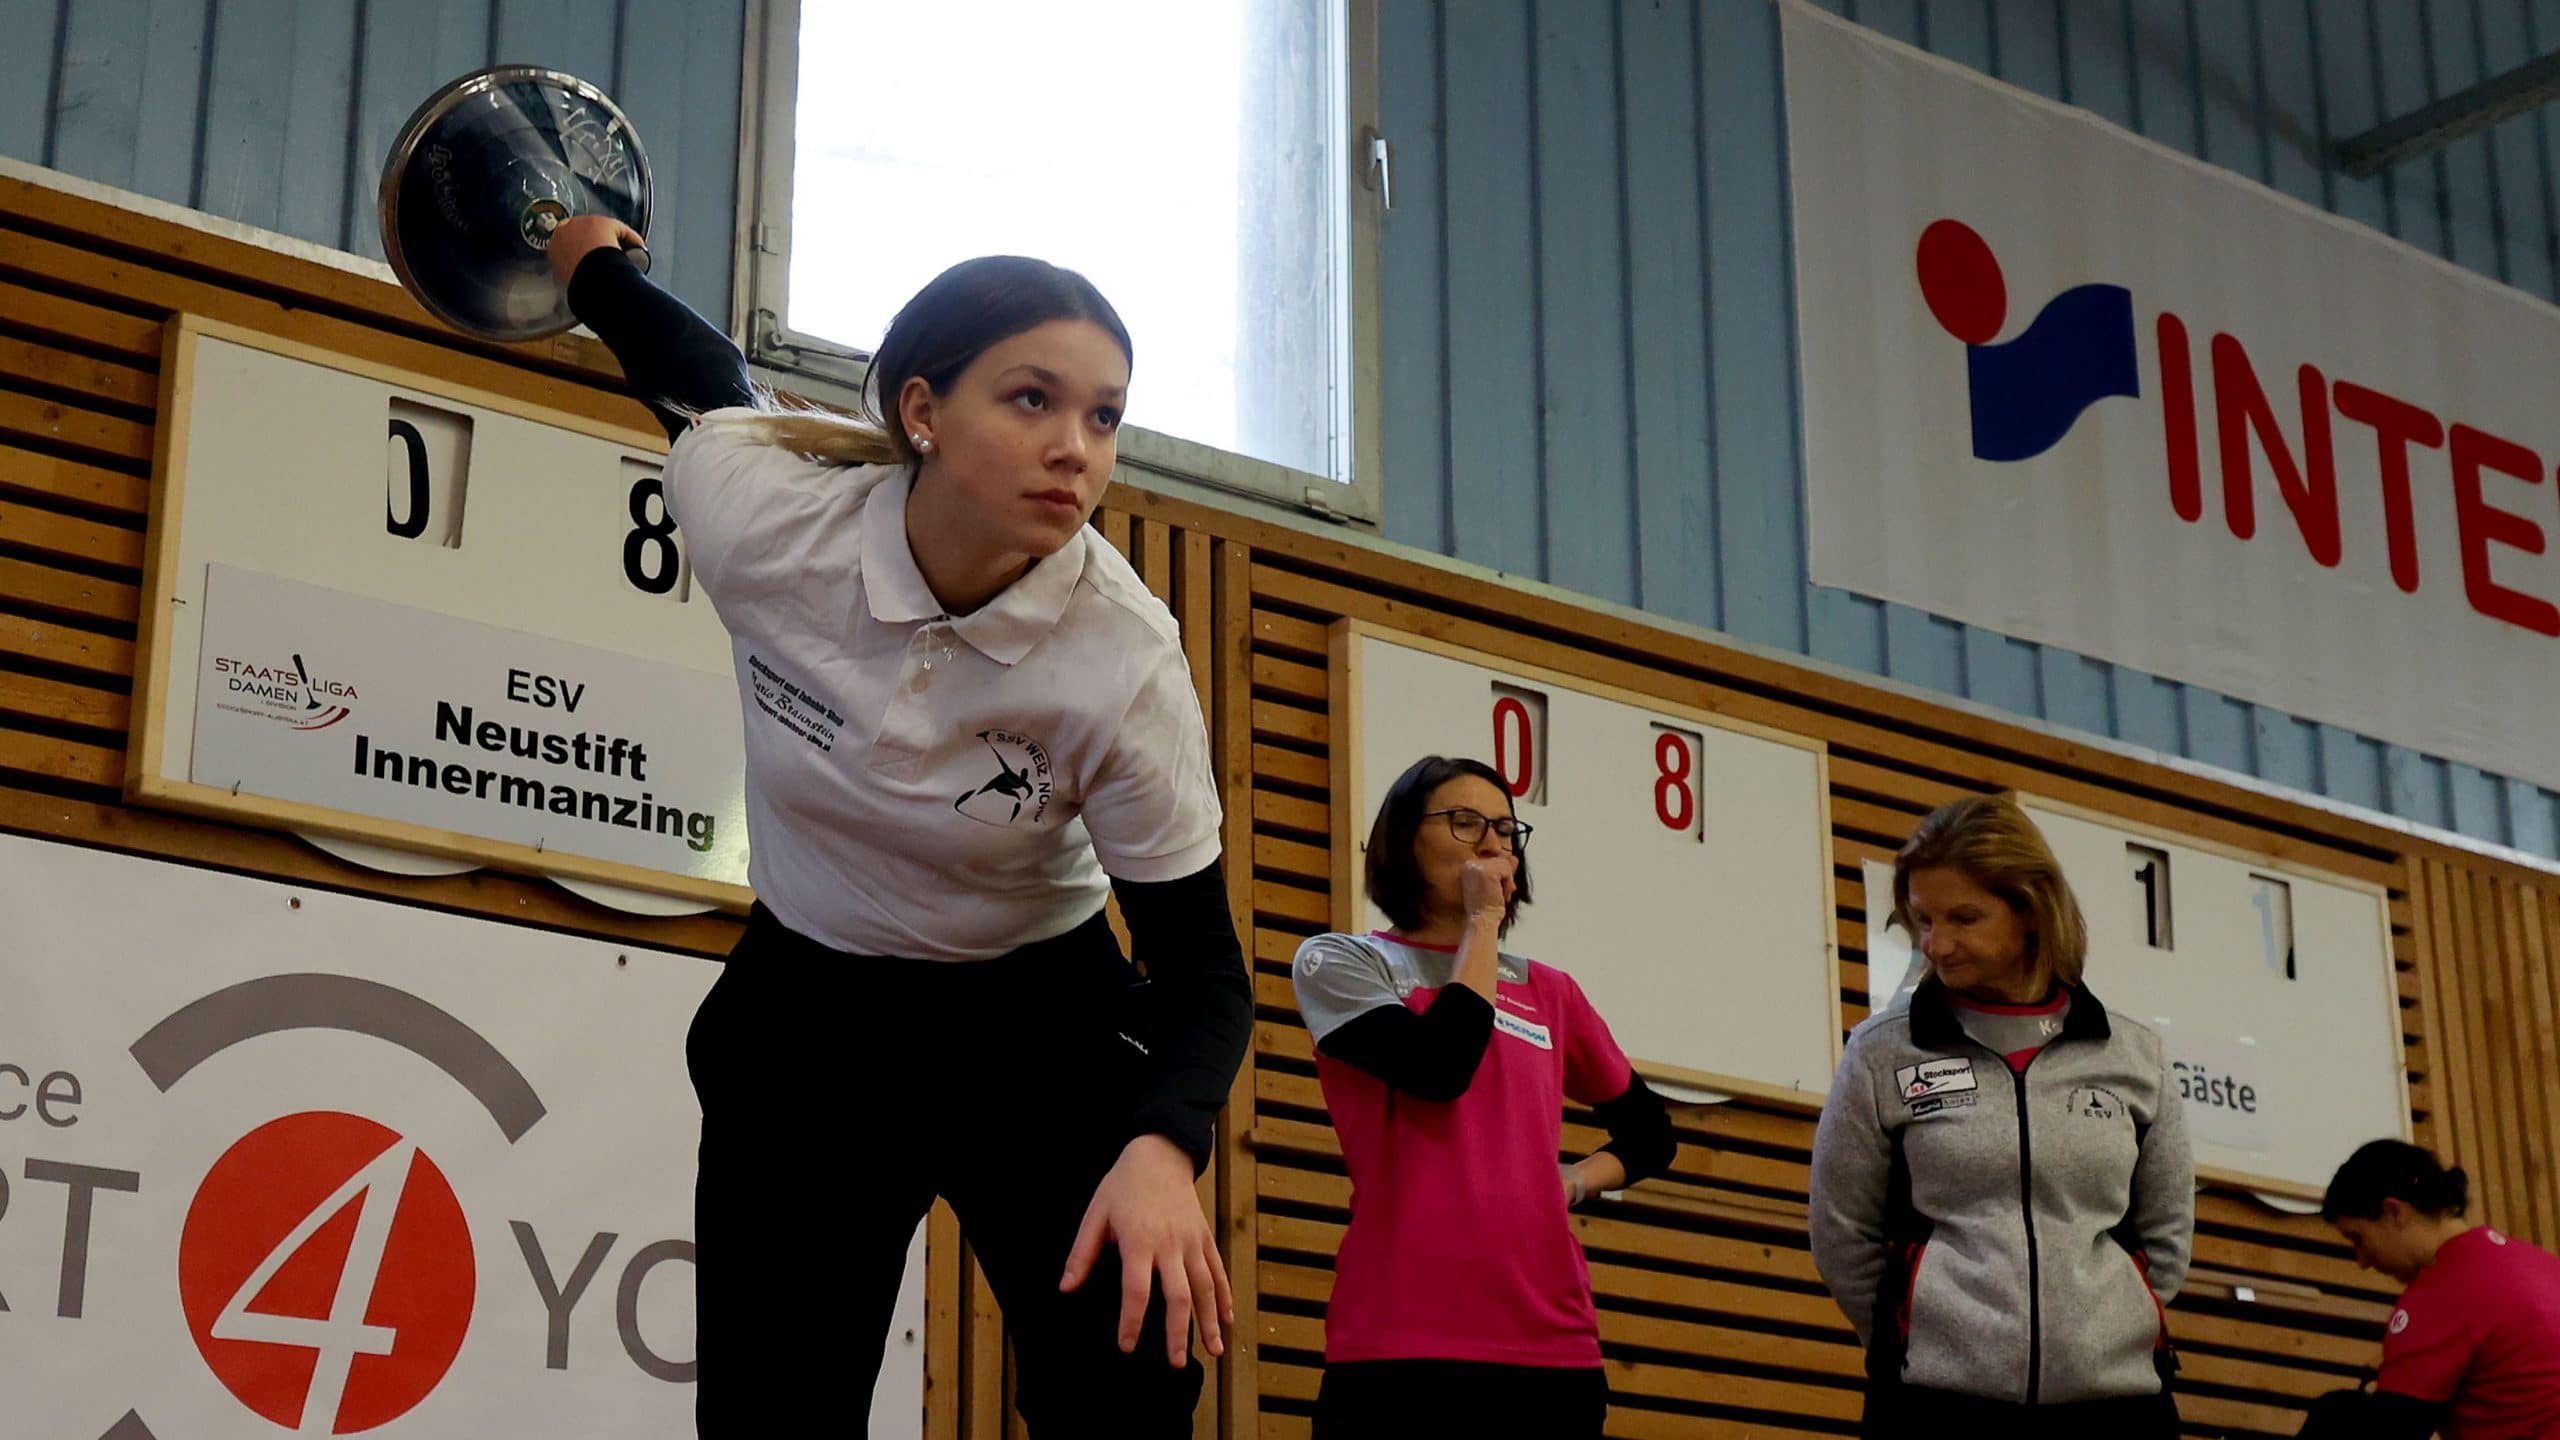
column 385, row 607
column 1681, row 863
column 2271, row 984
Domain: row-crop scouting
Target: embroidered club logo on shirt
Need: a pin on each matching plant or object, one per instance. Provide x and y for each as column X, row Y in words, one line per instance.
column 1020, row 785
column 1935, row 1085
column 2399, row 1321
column 2097, row 1102
column 1519, row 1029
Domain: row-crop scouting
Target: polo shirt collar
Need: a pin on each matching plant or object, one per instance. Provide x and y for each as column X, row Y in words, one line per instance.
column 1006, row 627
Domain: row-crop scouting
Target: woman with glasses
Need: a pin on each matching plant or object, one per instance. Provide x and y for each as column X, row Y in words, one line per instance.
column 1460, row 1296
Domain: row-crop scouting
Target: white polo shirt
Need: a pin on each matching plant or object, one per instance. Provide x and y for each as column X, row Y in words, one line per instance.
column 919, row 784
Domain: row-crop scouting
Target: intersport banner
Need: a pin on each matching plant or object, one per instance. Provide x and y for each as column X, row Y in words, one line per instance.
column 2068, row 385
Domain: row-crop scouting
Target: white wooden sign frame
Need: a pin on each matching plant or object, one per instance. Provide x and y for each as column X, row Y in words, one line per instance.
column 1349, row 830
column 2261, row 1183
column 150, row 778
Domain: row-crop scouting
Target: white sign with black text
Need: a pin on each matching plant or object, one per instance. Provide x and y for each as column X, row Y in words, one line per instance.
column 516, row 555
column 411, row 715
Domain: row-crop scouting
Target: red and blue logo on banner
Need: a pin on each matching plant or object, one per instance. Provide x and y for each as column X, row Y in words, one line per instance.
column 2027, row 393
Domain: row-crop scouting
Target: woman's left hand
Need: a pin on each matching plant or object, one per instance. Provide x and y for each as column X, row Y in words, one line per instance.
column 1147, row 1207
column 582, row 235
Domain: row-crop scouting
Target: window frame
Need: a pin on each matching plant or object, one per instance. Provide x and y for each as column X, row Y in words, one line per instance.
column 832, row 373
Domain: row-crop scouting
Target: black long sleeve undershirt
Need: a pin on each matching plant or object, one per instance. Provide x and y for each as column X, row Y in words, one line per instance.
column 674, row 360
column 1639, row 1127
column 1431, row 1056
column 1434, row 1055
column 1184, row 936
column 677, row 362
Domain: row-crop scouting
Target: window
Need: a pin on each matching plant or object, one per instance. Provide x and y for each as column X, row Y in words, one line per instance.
column 1192, row 157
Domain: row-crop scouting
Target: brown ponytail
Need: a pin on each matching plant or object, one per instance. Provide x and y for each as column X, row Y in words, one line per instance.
column 825, row 436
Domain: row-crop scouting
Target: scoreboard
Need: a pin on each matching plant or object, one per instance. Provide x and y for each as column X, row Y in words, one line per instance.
column 1681, row 862
column 387, row 609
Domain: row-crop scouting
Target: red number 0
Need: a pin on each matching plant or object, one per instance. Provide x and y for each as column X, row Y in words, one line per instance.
column 1671, row 782
column 1509, row 709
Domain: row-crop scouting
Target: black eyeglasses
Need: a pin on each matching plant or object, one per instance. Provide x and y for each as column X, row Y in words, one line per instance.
column 1467, row 827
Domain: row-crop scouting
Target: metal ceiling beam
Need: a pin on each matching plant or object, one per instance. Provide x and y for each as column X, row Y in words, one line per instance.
column 2430, row 128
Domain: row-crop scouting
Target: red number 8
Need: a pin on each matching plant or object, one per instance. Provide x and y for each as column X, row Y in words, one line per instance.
column 1671, row 778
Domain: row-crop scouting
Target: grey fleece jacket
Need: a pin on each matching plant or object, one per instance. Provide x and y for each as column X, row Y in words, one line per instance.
column 2012, row 1236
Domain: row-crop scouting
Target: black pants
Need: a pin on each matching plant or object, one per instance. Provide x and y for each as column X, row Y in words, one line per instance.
column 1401, row 1399
column 1908, row 1412
column 840, row 1094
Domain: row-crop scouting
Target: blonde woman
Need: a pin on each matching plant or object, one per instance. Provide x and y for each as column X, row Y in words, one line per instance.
column 2003, row 1195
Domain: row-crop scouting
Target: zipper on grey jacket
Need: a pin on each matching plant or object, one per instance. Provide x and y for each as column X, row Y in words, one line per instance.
column 2027, row 1212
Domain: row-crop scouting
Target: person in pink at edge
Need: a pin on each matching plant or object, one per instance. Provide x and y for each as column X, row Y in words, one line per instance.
column 1461, row 1301
column 2473, row 1351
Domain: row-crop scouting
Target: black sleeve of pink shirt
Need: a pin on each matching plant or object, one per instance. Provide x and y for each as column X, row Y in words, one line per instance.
column 1639, row 1127
column 1183, row 935
column 674, row 360
column 1431, row 1056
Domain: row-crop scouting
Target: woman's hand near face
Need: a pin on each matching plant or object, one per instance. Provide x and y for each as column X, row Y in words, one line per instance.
column 1485, row 888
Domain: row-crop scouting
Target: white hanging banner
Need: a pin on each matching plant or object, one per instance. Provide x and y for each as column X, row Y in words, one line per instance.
column 282, row 1161
column 2063, row 383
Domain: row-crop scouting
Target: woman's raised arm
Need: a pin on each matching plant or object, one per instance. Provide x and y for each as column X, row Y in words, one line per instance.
column 676, row 362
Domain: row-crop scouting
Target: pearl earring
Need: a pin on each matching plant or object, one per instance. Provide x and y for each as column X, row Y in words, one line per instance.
column 922, row 442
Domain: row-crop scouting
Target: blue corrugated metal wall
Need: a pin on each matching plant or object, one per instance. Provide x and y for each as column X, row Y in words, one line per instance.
column 1590, row 373
column 278, row 113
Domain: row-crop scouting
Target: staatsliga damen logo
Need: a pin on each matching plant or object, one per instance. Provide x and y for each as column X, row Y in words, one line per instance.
column 1018, row 790
column 284, row 691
